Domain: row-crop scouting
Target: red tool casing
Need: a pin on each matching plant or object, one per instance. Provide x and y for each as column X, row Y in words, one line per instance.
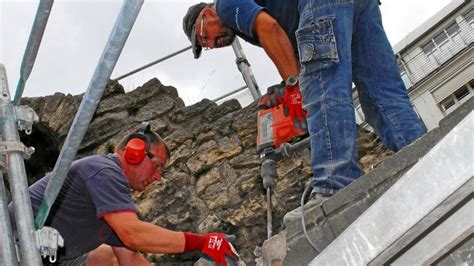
column 274, row 128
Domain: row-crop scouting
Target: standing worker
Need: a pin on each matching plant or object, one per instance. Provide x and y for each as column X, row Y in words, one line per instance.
column 97, row 218
column 320, row 46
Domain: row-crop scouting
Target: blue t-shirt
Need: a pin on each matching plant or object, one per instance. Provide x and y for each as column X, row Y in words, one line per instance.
column 94, row 186
column 240, row 16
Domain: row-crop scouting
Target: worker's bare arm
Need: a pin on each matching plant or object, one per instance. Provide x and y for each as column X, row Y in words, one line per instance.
column 143, row 236
column 276, row 44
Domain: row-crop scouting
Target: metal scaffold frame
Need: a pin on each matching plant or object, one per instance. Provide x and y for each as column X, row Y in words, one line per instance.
column 35, row 238
column 242, row 64
column 13, row 117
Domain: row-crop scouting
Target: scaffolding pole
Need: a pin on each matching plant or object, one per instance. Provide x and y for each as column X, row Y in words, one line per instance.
column 17, row 177
column 7, row 248
column 230, row 93
column 244, row 68
column 100, row 78
column 31, row 51
column 153, row 63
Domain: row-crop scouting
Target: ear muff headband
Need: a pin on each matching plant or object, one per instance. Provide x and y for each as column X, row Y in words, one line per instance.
column 138, row 145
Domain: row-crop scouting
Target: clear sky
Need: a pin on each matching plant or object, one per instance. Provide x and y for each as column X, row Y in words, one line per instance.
column 77, row 32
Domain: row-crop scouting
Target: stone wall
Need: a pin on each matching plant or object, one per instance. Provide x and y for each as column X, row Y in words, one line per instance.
column 212, row 182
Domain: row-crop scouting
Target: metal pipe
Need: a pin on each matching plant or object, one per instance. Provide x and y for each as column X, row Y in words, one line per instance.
column 153, row 63
column 269, row 176
column 7, row 247
column 31, row 51
column 108, row 60
column 17, row 178
column 230, row 93
column 244, row 67
column 269, row 213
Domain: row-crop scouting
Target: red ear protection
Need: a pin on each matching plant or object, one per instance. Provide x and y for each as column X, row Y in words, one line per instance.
column 135, row 151
column 137, row 145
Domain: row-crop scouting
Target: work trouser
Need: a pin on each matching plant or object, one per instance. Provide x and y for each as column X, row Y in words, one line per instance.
column 340, row 42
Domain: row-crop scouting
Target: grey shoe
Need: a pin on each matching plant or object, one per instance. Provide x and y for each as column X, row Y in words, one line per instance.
column 315, row 199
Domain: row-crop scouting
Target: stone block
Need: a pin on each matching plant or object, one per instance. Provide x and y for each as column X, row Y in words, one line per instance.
column 300, row 252
column 439, row 174
column 313, row 215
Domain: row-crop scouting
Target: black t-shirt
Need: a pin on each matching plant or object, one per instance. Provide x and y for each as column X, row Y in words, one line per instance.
column 94, row 186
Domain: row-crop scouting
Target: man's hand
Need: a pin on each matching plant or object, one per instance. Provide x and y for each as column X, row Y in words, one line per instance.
column 292, row 102
column 129, row 257
column 214, row 245
column 217, row 247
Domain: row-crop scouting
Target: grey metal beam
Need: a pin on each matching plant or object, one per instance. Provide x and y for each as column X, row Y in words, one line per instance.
column 230, row 93
column 429, row 223
column 153, row 63
column 7, row 246
column 244, row 67
column 31, row 51
column 459, row 255
column 123, row 25
column 442, row 171
column 17, row 178
column 456, row 228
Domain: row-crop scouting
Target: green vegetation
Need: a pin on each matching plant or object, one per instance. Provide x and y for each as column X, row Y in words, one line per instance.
column 258, row 180
column 295, row 139
column 109, row 147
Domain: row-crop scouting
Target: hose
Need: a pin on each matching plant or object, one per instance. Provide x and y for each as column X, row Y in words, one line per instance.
column 303, row 223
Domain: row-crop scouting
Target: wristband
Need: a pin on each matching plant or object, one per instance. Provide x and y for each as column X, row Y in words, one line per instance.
column 193, row 241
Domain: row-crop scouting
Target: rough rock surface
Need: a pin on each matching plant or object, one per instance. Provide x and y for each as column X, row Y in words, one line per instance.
column 212, row 182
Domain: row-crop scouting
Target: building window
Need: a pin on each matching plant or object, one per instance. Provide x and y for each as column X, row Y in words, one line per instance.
column 444, row 45
column 453, row 32
column 448, row 104
column 469, row 17
column 454, row 100
column 461, row 93
column 404, row 75
column 430, row 50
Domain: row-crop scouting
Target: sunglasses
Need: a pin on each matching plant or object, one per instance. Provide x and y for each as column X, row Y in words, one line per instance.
column 203, row 37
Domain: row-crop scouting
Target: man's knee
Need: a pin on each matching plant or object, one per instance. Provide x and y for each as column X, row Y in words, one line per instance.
column 102, row 255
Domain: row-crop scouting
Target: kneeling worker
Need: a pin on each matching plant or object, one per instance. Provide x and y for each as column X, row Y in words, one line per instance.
column 94, row 207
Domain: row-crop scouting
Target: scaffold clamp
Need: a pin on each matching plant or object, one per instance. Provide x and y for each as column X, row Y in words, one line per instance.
column 49, row 240
column 16, row 146
column 26, row 117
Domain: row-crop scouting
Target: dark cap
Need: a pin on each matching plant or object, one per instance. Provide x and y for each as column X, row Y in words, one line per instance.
column 189, row 28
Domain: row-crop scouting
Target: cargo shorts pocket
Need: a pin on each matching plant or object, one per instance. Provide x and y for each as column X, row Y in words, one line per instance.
column 317, row 47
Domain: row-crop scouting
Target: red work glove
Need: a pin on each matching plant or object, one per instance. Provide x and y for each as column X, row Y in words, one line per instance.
column 214, row 245
column 292, row 102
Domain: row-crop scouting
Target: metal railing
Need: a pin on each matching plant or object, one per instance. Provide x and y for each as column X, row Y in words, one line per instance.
column 244, row 68
column 14, row 149
column 13, row 152
column 29, row 253
column 242, row 64
column 31, row 51
column 7, row 248
column 153, row 63
column 13, row 118
column 101, row 76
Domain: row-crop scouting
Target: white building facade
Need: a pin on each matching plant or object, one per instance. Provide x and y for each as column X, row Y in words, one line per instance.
column 436, row 63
